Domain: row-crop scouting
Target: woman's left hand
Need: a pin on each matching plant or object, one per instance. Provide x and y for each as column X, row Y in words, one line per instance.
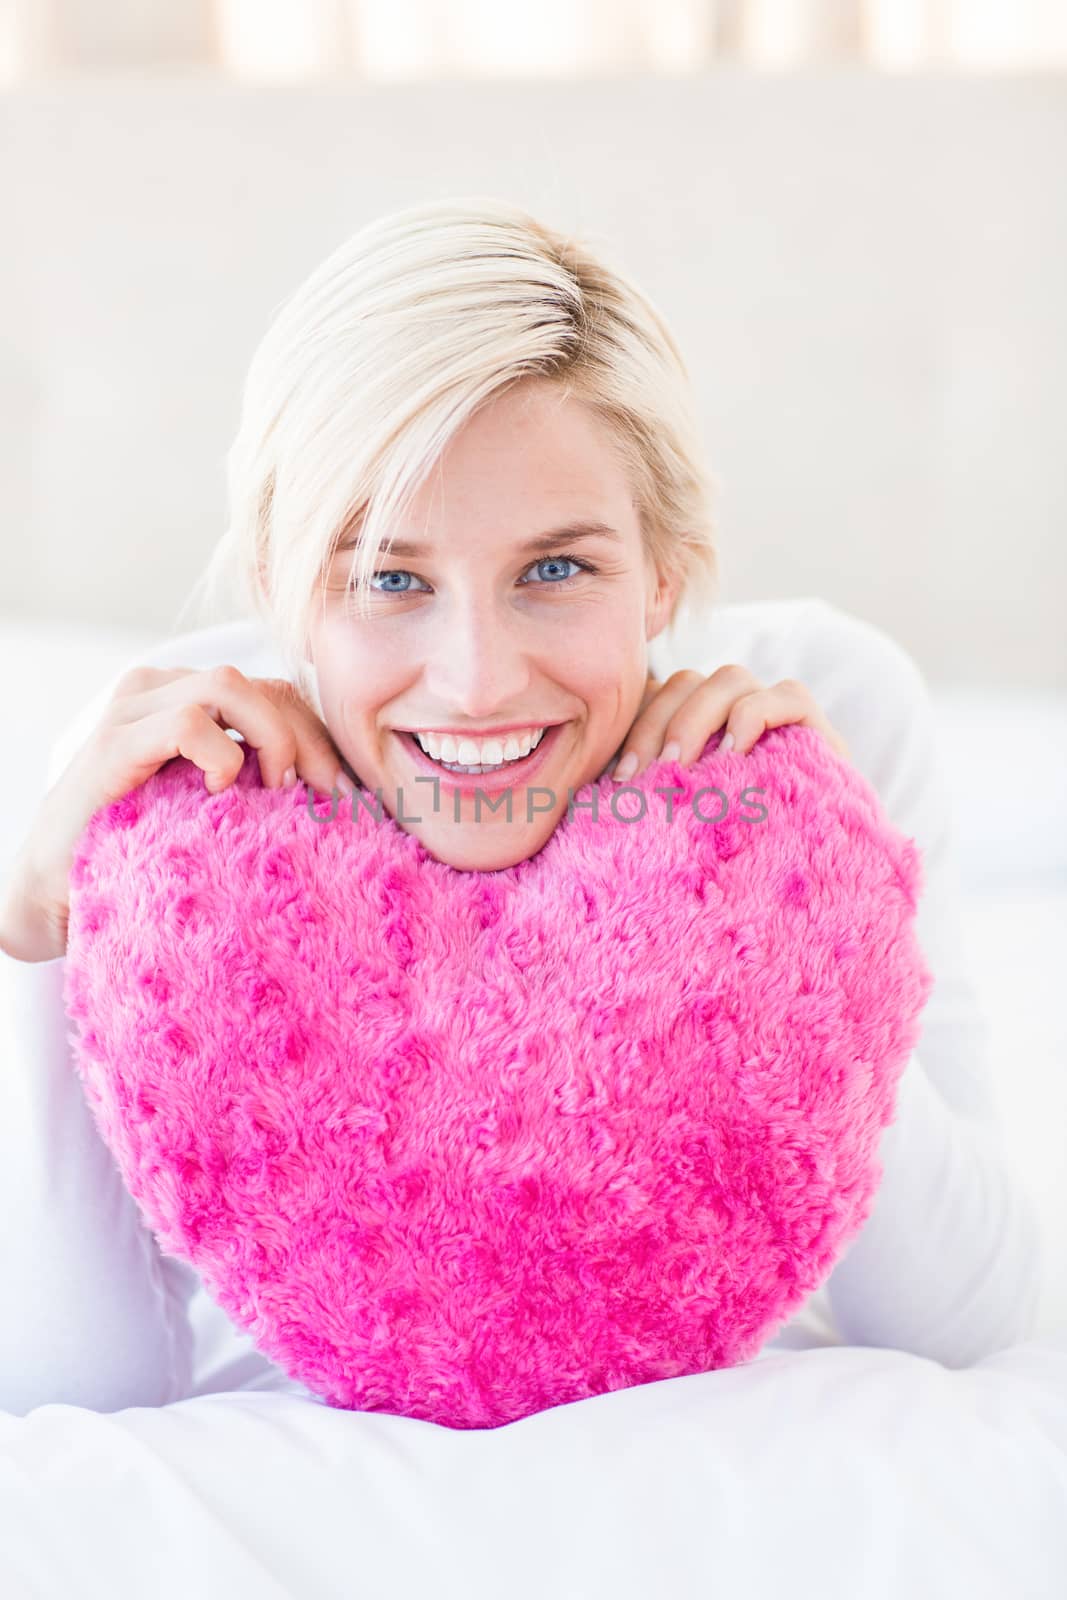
column 676, row 719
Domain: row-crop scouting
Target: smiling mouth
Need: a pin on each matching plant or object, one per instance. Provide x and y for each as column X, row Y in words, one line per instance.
column 460, row 770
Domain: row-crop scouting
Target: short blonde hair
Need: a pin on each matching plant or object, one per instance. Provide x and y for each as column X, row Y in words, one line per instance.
column 389, row 347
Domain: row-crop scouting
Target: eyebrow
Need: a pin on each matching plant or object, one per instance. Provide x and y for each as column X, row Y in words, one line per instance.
column 571, row 531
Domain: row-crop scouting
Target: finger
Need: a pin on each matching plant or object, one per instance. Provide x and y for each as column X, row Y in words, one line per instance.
column 319, row 762
column 687, row 709
column 227, row 699
column 128, row 695
column 268, row 713
column 653, row 687
column 643, row 739
column 781, row 704
column 136, row 694
column 139, row 748
column 687, row 731
column 119, row 756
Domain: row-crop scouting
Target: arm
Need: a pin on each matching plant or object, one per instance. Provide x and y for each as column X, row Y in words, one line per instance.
column 948, row 1264
column 95, row 1315
column 92, row 1316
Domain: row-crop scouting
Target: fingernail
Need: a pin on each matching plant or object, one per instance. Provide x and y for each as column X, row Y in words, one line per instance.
column 726, row 743
column 626, row 767
column 289, row 777
column 671, row 751
column 341, row 783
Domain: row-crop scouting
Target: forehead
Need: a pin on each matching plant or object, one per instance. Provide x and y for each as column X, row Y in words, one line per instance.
column 531, row 469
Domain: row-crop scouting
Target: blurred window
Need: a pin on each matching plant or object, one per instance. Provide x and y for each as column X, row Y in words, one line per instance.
column 402, row 40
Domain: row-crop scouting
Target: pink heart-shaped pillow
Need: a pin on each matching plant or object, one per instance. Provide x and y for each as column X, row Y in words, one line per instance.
column 466, row 1145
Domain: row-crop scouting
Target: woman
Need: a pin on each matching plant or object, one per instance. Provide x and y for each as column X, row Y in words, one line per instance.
column 459, row 388
column 466, row 496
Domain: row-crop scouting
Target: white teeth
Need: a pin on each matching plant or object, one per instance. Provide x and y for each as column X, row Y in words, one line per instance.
column 480, row 752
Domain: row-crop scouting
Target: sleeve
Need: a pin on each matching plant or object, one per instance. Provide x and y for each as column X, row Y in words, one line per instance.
column 948, row 1263
column 95, row 1315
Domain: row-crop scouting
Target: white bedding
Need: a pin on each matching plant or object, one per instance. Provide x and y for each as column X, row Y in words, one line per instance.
column 823, row 1472
column 839, row 1474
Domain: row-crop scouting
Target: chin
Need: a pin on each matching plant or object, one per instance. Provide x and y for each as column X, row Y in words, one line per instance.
column 476, row 849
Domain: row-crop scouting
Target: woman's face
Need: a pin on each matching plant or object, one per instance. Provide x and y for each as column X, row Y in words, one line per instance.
column 485, row 622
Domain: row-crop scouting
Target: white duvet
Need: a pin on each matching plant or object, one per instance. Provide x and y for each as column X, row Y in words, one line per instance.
column 835, row 1473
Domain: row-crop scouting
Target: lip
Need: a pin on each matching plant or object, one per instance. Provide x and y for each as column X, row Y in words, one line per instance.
column 510, row 777
column 485, row 733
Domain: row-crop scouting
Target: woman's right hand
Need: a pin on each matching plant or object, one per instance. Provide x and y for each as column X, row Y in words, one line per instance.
column 153, row 715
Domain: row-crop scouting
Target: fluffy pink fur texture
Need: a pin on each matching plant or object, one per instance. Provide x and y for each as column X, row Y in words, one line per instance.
column 463, row 1146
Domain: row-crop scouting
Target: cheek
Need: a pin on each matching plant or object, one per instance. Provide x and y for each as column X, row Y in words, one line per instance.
column 353, row 680
column 611, row 670
column 345, row 652
column 612, row 691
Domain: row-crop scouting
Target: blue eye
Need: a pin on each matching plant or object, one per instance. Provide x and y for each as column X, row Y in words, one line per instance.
column 402, row 587
column 396, row 572
column 559, row 561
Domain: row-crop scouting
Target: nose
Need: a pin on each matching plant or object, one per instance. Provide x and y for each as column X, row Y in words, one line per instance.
column 476, row 667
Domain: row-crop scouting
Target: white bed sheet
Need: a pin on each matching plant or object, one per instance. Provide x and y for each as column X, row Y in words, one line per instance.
column 834, row 1474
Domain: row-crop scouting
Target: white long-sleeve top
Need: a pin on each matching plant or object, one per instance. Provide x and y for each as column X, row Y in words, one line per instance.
column 947, row 1265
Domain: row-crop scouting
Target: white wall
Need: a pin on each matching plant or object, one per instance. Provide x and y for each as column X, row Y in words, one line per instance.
column 866, row 273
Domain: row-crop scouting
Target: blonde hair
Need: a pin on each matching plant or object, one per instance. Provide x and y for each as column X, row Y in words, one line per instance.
column 388, row 348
